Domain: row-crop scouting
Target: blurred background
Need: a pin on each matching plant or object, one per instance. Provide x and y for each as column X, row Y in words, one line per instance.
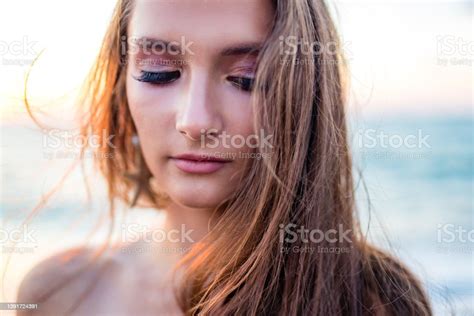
column 411, row 117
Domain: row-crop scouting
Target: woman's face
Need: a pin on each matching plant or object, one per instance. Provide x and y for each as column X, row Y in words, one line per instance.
column 198, row 83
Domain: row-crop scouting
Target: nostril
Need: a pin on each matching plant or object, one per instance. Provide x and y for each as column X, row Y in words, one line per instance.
column 190, row 136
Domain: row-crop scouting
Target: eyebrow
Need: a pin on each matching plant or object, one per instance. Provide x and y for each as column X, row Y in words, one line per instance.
column 252, row 48
column 145, row 43
column 242, row 49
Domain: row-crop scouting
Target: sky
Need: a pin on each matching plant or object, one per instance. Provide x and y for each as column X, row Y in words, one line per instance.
column 405, row 56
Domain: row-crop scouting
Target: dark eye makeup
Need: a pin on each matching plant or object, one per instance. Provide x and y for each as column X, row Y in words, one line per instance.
column 243, row 83
column 161, row 78
column 158, row 77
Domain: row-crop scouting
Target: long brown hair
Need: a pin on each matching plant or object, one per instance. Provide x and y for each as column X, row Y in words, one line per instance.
column 239, row 268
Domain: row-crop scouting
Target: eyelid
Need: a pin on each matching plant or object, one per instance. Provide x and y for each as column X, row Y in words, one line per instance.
column 158, row 78
column 158, row 64
column 234, row 80
column 244, row 69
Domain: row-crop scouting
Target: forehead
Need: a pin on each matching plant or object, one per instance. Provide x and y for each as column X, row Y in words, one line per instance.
column 207, row 23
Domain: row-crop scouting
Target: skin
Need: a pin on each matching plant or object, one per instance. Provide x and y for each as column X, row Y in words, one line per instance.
column 169, row 119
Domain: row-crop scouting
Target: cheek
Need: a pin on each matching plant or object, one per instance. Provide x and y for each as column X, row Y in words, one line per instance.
column 146, row 107
column 153, row 122
column 238, row 114
column 138, row 103
column 152, row 109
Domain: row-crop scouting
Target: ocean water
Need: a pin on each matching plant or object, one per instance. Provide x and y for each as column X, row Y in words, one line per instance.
column 419, row 178
column 417, row 182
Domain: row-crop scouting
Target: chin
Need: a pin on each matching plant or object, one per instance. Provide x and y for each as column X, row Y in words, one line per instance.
column 199, row 198
column 194, row 202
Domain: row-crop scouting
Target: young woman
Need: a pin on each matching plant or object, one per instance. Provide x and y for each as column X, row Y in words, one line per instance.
column 228, row 116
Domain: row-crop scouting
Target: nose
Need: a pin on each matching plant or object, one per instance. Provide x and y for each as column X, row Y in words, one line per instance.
column 198, row 113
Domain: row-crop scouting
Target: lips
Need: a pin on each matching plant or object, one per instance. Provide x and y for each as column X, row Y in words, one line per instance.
column 199, row 164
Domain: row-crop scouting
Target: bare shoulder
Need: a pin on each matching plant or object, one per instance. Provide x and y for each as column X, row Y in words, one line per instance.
column 55, row 281
column 83, row 281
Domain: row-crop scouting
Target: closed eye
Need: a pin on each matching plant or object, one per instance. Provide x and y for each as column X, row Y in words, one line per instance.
column 243, row 83
column 158, row 77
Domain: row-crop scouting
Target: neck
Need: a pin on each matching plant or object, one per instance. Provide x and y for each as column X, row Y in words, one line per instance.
column 184, row 227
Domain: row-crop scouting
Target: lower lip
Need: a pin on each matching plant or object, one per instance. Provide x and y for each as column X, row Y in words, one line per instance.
column 198, row 167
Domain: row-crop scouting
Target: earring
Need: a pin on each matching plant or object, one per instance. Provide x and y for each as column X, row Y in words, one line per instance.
column 140, row 177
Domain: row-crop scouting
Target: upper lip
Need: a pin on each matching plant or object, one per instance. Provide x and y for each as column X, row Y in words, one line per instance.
column 200, row 157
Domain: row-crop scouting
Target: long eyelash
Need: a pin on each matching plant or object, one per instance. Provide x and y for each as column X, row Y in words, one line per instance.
column 158, row 77
column 242, row 83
